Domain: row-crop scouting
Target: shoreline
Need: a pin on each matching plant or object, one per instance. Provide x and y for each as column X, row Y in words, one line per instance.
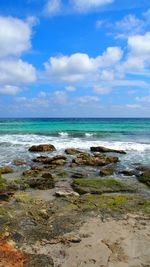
column 71, row 209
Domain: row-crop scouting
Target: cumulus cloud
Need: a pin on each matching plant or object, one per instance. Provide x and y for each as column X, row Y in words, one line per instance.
column 9, row 90
column 87, row 5
column 77, row 67
column 138, row 56
column 15, row 36
column 16, row 71
column 15, row 39
column 139, row 45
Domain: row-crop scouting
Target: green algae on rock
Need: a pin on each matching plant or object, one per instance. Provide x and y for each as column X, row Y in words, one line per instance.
column 100, row 186
column 6, row 169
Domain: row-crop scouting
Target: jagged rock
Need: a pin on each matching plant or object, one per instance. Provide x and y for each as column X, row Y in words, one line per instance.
column 41, row 183
column 72, row 151
column 42, row 148
column 106, row 171
column 6, row 169
column 87, row 159
column 105, row 149
column 57, row 160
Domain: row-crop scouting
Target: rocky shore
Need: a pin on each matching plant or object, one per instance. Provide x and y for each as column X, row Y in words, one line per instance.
column 74, row 209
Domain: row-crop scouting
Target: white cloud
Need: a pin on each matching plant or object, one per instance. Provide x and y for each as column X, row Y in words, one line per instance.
column 16, row 71
column 15, row 36
column 60, row 97
column 9, row 90
column 102, row 90
column 138, row 57
column 32, row 102
column 133, row 106
column 139, row 45
column 145, row 99
column 87, row 99
column 128, row 26
column 70, row 88
column 77, row 67
column 87, row 5
column 52, row 7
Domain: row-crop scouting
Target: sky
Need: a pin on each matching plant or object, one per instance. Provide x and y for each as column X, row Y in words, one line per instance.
column 74, row 58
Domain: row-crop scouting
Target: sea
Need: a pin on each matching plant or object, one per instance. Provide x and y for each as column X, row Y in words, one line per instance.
column 129, row 134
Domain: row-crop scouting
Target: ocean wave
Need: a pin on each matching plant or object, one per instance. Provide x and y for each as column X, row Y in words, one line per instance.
column 63, row 134
column 64, row 141
column 89, row 134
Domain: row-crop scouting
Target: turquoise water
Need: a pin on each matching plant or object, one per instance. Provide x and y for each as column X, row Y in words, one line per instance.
column 132, row 135
column 76, row 127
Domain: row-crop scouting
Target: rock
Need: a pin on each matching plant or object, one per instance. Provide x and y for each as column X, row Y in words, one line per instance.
column 48, row 175
column 18, row 162
column 105, row 149
column 31, row 173
column 43, row 213
column 87, row 159
column 80, row 175
column 4, row 196
column 128, row 172
column 38, row 168
column 106, row 171
column 72, row 151
column 57, row 160
column 6, row 169
column 144, row 176
column 38, row 260
column 41, row 183
column 100, row 186
column 63, row 174
column 66, row 193
column 145, row 179
column 42, row 148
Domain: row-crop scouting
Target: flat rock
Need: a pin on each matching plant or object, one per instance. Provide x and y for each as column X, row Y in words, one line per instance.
column 105, row 149
column 66, row 193
column 100, row 186
column 57, row 160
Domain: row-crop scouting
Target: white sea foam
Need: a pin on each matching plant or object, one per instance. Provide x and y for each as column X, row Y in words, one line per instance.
column 64, row 142
column 89, row 134
column 63, row 134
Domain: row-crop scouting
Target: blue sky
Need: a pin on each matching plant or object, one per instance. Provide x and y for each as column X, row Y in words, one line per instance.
column 74, row 58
